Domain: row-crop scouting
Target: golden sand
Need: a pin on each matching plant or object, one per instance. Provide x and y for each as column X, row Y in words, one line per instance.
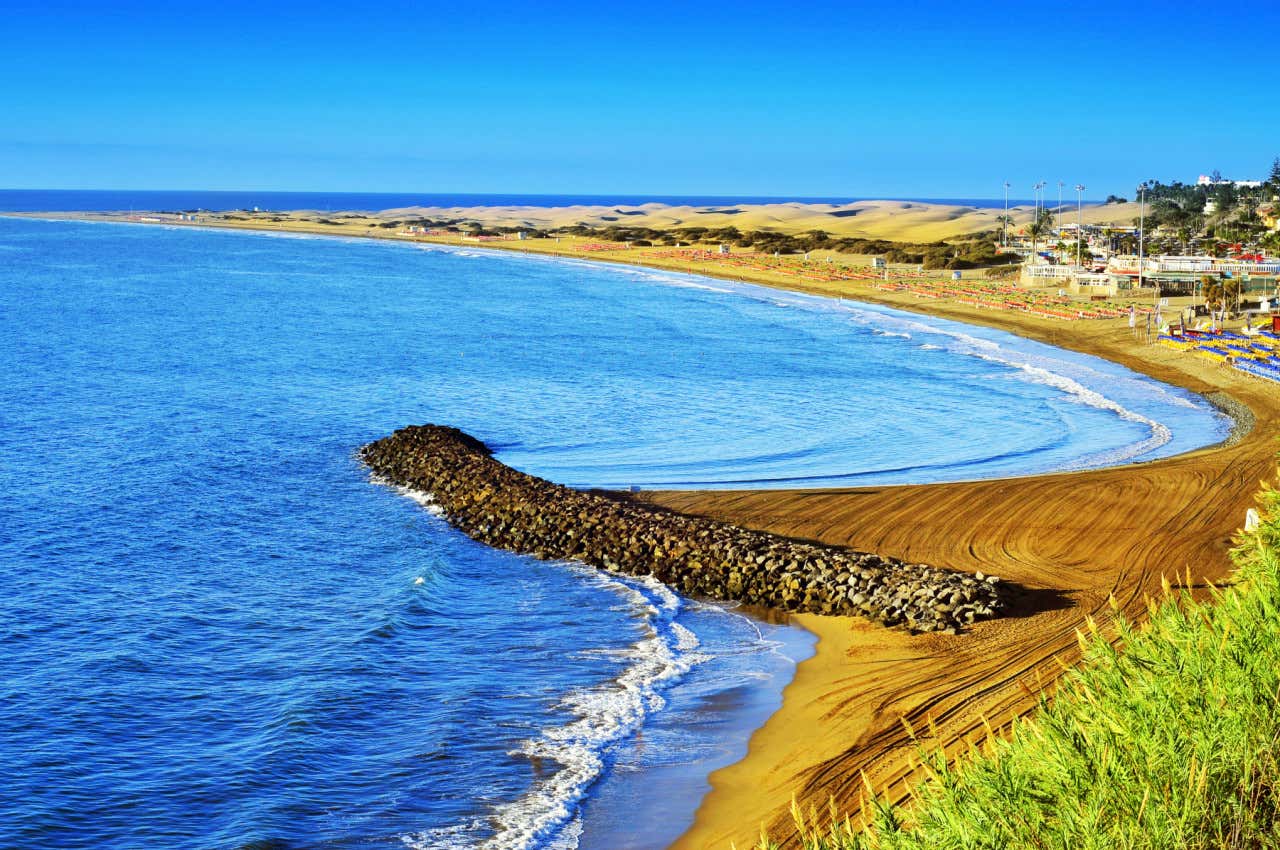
column 905, row 221
column 897, row 220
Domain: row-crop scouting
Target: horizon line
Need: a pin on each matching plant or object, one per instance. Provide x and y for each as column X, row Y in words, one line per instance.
column 849, row 198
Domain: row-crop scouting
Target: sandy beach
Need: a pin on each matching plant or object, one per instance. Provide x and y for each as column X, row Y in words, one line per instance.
column 1076, row 541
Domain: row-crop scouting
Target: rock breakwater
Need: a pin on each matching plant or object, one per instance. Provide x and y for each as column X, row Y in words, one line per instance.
column 511, row 510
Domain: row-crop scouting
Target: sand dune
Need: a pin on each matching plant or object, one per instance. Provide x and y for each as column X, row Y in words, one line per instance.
column 897, row 220
column 900, row 221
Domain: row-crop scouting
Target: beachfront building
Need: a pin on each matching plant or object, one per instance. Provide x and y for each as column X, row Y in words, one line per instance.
column 1078, row 279
column 1170, row 273
column 1217, row 180
column 1185, row 274
column 1214, row 266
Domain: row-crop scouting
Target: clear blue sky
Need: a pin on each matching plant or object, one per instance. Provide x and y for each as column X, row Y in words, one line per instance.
column 894, row 98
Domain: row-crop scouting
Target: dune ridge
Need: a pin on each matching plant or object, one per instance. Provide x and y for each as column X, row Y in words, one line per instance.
column 908, row 221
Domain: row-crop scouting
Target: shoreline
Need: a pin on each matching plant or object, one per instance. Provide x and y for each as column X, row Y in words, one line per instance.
column 1086, row 535
column 1027, row 326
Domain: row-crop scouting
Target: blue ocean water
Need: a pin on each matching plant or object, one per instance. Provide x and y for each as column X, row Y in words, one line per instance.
column 51, row 200
column 217, row 632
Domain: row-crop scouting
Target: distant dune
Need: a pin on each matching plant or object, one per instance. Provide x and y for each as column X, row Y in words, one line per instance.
column 908, row 221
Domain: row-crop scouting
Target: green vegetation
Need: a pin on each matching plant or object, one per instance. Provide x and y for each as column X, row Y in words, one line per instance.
column 1172, row 740
column 1184, row 217
column 968, row 252
column 1041, row 226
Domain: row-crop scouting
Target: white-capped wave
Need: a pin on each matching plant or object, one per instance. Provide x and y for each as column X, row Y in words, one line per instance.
column 606, row 714
column 1077, row 392
column 1049, row 372
column 423, row 498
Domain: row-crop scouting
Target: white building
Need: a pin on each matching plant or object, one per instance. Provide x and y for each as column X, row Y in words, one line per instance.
column 1206, row 180
column 1207, row 265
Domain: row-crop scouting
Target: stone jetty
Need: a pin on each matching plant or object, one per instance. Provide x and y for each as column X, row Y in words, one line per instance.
column 508, row 509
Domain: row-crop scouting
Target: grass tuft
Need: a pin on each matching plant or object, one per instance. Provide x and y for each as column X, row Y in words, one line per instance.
column 1166, row 736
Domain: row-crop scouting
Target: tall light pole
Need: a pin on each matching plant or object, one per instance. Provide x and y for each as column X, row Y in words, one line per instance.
column 1079, row 226
column 1058, row 212
column 1142, row 221
column 1005, row 239
column 1039, row 187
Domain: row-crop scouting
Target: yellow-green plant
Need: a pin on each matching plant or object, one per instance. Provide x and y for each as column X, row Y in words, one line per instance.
column 1167, row 736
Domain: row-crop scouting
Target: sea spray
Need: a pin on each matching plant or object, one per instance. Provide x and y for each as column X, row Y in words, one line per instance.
column 606, row 714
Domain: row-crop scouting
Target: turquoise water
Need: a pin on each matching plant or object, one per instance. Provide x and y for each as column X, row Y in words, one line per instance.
column 217, row 632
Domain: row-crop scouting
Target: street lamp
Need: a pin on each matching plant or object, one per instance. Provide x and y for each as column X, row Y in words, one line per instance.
column 1058, row 211
column 1005, row 239
column 1039, row 187
column 1079, row 226
column 1142, row 221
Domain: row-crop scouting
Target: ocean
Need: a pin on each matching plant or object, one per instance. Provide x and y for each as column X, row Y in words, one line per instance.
column 218, row 632
column 53, row 200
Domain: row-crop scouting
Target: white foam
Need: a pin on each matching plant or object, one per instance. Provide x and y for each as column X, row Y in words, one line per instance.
column 1045, row 371
column 606, row 715
column 445, row 837
column 423, row 498
column 548, row 816
column 1077, row 392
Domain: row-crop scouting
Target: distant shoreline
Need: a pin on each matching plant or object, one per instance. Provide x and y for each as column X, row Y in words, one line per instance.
column 1085, row 537
column 222, row 200
column 894, row 220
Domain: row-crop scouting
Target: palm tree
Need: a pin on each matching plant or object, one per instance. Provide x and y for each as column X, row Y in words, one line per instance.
column 1038, row 228
column 1004, row 221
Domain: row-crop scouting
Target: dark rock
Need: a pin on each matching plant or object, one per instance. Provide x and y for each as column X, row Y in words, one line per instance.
column 507, row 509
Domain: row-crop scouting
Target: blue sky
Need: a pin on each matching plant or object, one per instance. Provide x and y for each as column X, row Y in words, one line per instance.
column 907, row 99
